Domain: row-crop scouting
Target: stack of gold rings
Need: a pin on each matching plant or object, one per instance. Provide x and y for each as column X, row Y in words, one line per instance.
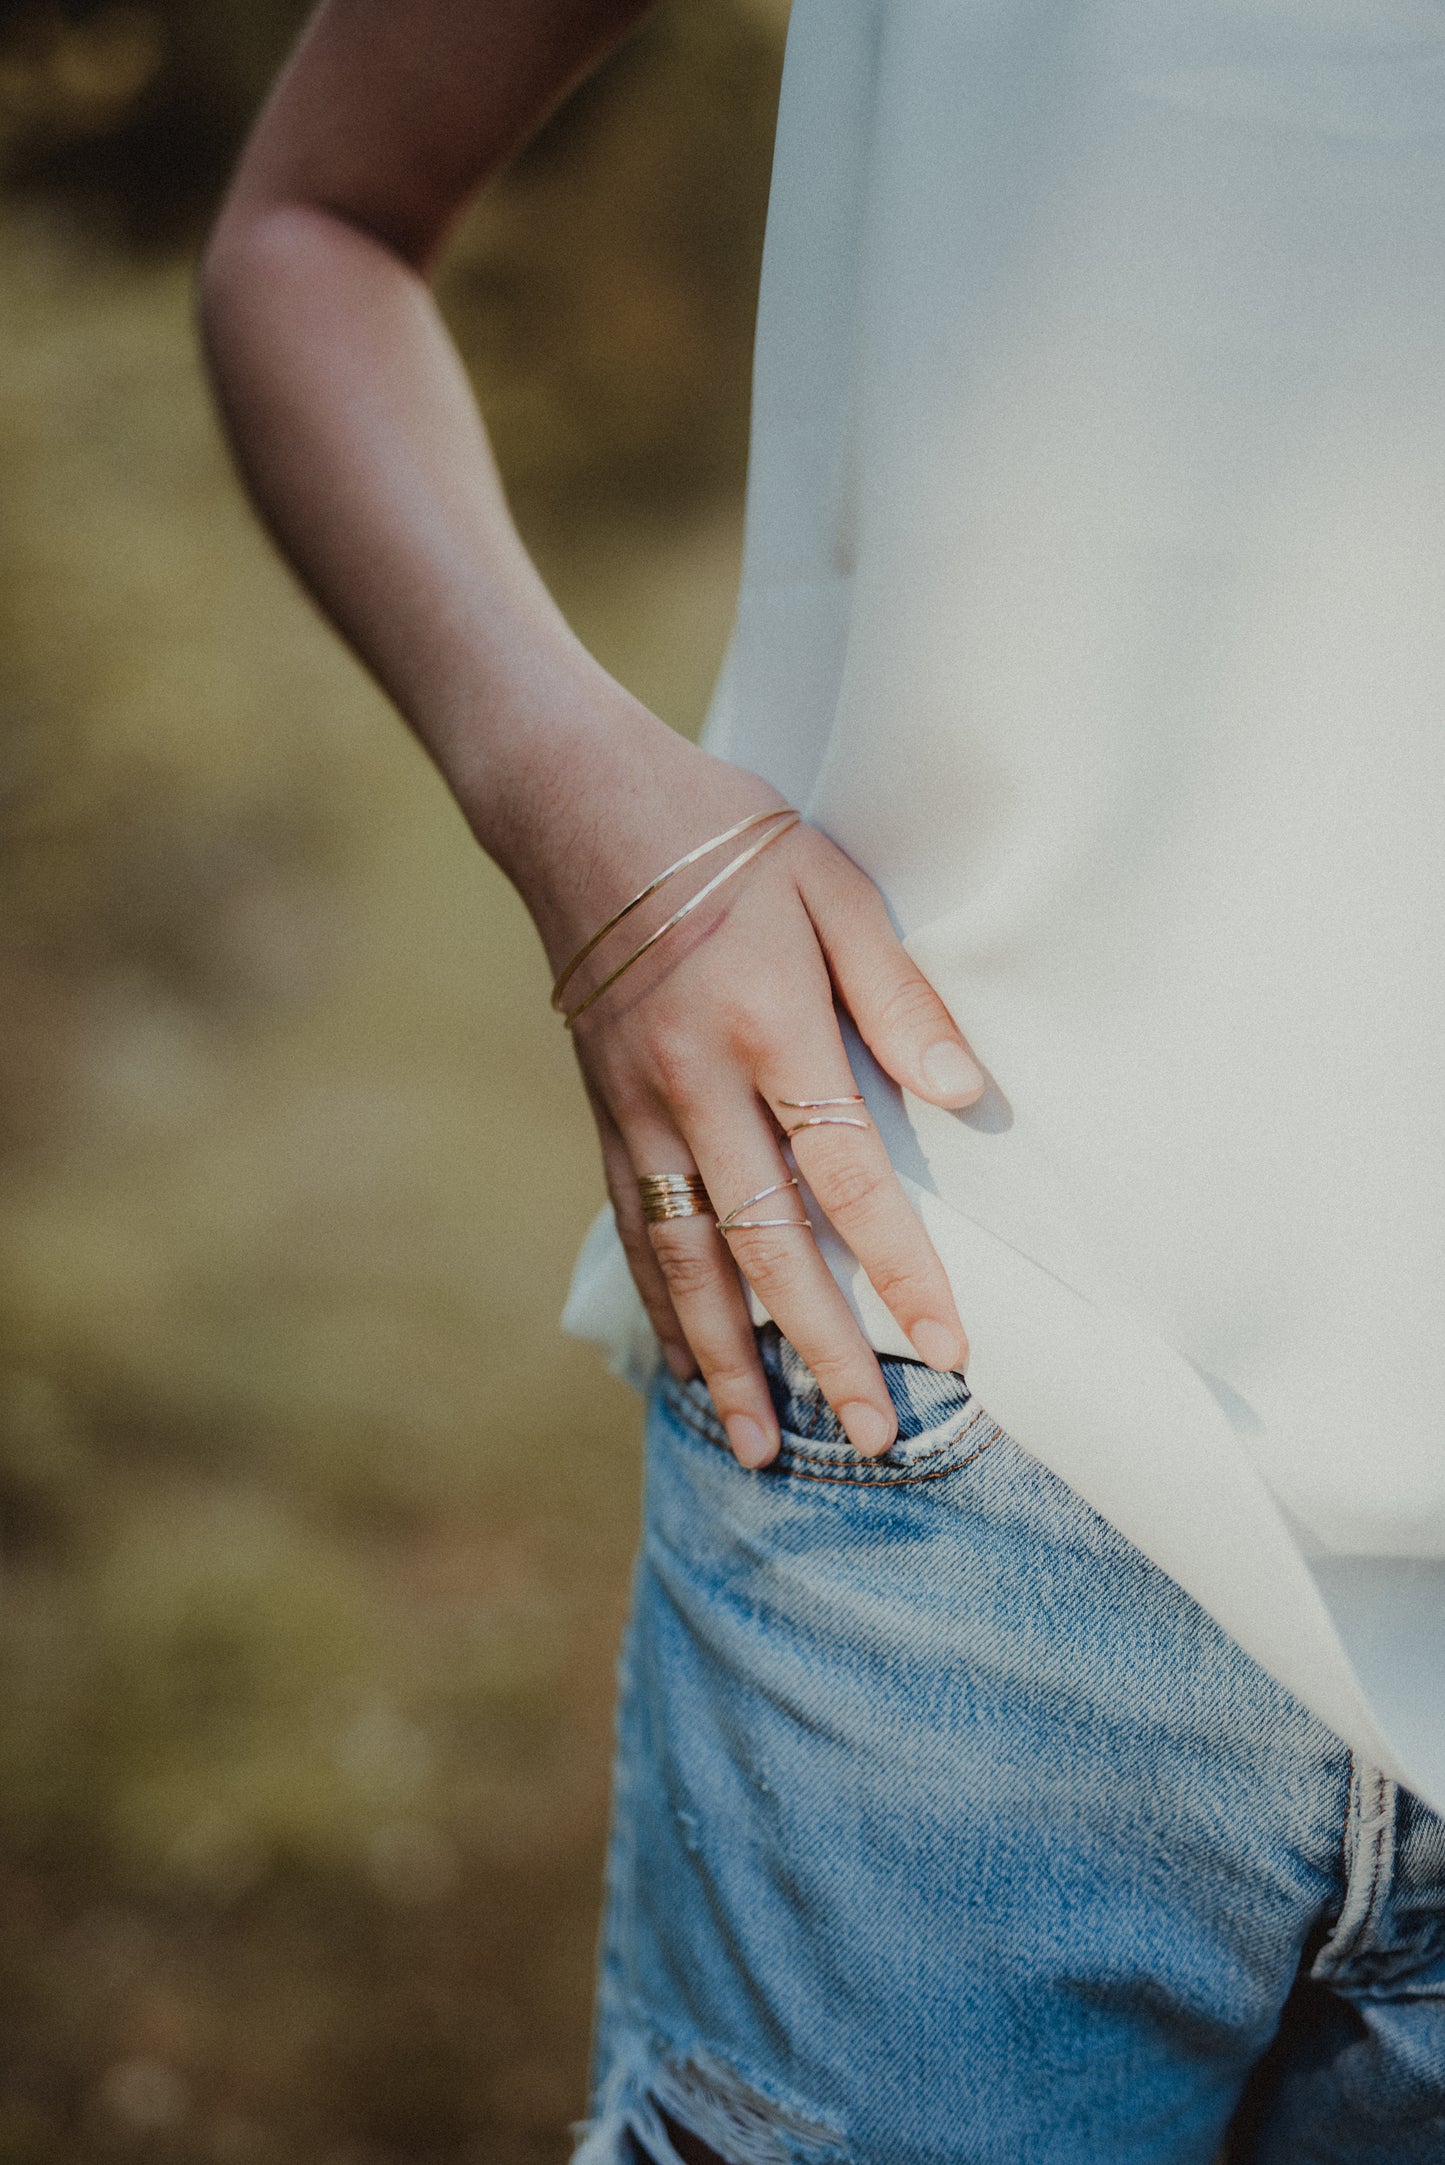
column 683, row 1195
column 673, row 1195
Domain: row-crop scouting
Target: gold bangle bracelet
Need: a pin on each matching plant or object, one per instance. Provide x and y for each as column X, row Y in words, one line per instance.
column 645, row 894
column 787, row 819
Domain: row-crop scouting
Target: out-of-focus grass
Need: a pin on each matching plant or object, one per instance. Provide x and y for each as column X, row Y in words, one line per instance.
column 314, row 1530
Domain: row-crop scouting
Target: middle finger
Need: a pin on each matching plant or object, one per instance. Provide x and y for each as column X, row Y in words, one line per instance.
column 741, row 1163
column 842, row 1157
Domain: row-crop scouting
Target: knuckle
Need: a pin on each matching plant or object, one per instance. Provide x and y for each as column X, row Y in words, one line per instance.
column 768, row 1260
column 840, row 1377
column 754, row 1029
column 675, row 1058
column 909, row 1006
column 689, row 1266
column 764, row 1027
column 852, row 1186
column 894, row 1278
column 748, row 1015
column 731, row 1380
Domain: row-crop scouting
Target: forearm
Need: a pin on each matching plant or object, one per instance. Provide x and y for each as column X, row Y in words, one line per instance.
column 355, row 426
column 356, row 429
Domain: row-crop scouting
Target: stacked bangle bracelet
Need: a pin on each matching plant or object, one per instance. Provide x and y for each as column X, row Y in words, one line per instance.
column 775, row 823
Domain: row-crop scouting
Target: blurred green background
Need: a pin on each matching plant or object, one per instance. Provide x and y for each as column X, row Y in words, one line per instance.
column 315, row 1532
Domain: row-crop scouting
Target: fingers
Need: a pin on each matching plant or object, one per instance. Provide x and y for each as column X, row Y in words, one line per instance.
column 646, row 1271
column 739, row 1041
column 739, row 1158
column 690, row 1261
column 901, row 1018
column 708, row 1296
column 841, row 1155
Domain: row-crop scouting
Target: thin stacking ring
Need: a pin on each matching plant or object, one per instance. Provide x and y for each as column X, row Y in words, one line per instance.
column 823, row 1120
column 784, row 818
column 734, row 1222
column 673, row 1195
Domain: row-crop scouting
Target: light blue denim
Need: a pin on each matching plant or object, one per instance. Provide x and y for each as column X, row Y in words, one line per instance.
column 949, row 1830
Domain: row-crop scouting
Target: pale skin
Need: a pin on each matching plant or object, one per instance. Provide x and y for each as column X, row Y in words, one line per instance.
column 357, row 432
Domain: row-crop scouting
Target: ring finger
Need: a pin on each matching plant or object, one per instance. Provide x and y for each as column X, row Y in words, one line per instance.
column 708, row 1300
column 646, row 1274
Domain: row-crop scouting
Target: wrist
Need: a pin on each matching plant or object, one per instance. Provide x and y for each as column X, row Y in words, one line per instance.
column 544, row 770
column 585, row 795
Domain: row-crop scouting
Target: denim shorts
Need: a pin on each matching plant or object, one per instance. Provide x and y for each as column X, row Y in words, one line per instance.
column 949, row 1830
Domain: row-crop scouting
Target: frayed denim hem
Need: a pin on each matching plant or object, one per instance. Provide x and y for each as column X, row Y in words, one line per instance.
column 651, row 2087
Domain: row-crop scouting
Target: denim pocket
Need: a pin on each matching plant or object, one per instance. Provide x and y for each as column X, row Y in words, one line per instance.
column 941, row 1426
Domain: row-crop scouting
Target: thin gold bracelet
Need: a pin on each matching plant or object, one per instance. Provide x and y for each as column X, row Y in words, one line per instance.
column 787, row 818
column 645, row 894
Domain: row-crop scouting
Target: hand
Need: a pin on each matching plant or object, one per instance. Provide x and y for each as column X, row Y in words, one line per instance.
column 696, row 1060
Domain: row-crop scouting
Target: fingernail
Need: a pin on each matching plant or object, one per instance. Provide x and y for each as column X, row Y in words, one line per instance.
column 750, row 1446
column 680, row 1361
column 952, row 1073
column 937, row 1344
column 868, row 1430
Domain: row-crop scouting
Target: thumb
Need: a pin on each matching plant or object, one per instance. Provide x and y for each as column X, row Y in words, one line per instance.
column 900, row 1017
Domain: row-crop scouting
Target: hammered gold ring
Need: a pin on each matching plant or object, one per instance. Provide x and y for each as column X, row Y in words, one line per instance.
column 673, row 1195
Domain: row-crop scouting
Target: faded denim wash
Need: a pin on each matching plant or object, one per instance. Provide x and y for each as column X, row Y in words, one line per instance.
column 949, row 1831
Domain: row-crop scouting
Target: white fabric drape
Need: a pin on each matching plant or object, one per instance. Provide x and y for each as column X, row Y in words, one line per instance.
column 1094, row 602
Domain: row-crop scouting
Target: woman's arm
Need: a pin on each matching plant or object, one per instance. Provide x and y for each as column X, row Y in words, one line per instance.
column 347, row 403
column 356, row 429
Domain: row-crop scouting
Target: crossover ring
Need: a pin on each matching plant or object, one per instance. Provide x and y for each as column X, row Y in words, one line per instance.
column 735, row 1222
column 820, row 1118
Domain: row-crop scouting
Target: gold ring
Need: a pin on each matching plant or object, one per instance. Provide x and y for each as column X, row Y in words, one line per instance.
column 673, row 1195
column 734, row 1222
column 822, row 1119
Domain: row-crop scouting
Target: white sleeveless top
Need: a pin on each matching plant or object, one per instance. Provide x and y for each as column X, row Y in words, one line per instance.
column 1094, row 602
